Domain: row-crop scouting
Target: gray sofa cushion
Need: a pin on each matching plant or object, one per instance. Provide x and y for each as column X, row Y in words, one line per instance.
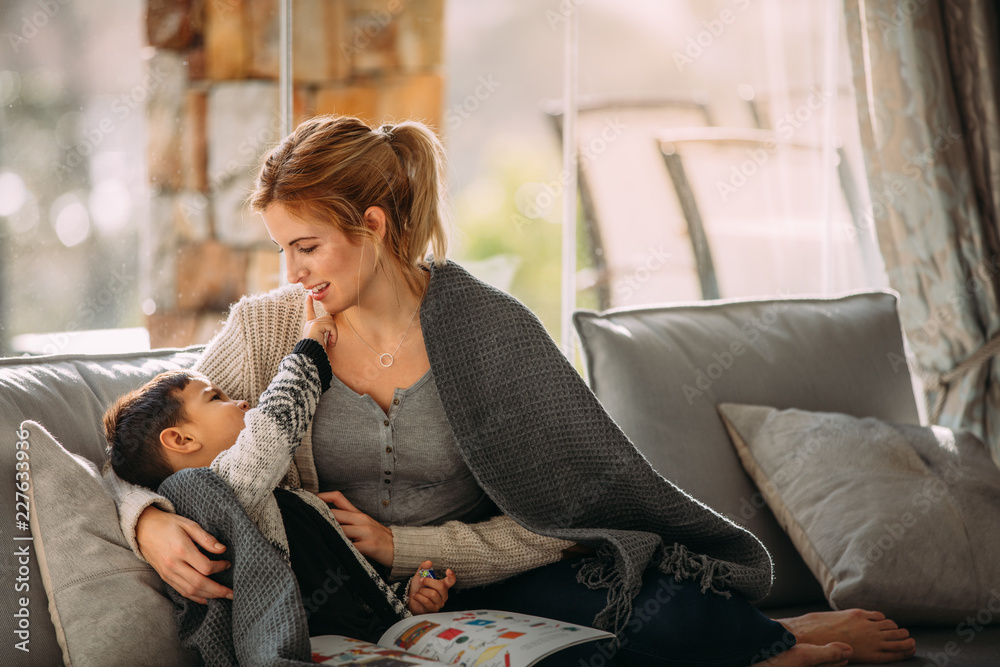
column 661, row 371
column 67, row 394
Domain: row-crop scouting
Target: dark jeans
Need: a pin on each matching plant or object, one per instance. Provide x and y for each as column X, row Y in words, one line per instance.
column 672, row 623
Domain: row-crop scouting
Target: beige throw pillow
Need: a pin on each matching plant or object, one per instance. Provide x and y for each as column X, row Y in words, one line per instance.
column 897, row 518
column 108, row 607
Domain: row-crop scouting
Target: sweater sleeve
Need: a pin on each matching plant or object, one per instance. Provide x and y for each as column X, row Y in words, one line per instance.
column 262, row 453
column 479, row 553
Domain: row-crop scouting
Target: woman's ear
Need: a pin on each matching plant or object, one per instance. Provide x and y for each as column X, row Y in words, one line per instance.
column 176, row 440
column 375, row 220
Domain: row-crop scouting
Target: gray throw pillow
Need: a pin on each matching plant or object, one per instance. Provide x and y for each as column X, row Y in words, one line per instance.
column 898, row 518
column 107, row 606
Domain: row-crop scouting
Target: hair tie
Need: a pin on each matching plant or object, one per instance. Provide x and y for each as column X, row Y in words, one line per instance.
column 386, row 131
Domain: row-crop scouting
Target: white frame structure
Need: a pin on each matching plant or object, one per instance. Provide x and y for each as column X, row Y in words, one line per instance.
column 569, row 175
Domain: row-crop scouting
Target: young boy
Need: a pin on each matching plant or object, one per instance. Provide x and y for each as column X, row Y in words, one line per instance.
column 180, row 419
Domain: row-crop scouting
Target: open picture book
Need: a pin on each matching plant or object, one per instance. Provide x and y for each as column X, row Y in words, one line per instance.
column 483, row 638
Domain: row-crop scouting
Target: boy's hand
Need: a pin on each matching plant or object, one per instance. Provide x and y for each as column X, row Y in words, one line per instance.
column 323, row 330
column 428, row 595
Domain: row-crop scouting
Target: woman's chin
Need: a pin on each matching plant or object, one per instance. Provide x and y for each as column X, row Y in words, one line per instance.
column 325, row 304
column 331, row 305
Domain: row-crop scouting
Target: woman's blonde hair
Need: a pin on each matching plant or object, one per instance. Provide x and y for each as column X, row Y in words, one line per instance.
column 332, row 168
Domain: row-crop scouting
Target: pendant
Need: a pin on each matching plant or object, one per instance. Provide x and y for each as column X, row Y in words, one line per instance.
column 382, row 357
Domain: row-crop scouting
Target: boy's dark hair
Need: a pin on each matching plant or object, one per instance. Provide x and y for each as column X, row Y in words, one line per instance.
column 133, row 423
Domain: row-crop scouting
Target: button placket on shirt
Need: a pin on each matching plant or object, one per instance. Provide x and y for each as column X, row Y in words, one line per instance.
column 388, row 459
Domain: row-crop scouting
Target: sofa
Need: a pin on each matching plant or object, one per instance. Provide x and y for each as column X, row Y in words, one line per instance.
column 663, row 372
column 660, row 372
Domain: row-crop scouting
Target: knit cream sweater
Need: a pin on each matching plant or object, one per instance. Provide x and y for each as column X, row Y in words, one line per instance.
column 243, row 358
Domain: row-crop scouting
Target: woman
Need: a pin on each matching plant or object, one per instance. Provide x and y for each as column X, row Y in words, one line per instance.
column 468, row 439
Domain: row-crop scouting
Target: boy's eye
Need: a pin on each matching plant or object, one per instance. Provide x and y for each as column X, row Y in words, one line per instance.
column 216, row 397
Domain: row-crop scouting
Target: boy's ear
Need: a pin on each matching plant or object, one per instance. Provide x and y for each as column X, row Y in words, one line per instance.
column 176, row 440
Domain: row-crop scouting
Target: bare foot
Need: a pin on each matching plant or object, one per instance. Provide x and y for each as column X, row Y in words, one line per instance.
column 873, row 637
column 835, row 654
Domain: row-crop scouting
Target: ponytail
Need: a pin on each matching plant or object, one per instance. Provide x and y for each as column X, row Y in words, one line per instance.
column 333, row 168
column 423, row 158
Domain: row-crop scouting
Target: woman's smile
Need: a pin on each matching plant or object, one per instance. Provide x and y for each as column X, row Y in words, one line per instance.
column 319, row 291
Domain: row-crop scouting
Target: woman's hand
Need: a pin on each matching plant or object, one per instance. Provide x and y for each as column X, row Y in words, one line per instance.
column 168, row 543
column 323, row 330
column 427, row 594
column 370, row 537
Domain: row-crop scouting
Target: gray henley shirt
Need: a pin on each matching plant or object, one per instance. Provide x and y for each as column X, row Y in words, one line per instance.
column 401, row 468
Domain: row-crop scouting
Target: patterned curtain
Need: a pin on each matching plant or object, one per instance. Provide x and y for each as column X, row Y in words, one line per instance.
column 927, row 76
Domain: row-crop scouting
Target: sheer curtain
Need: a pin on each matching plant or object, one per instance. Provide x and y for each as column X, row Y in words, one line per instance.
column 733, row 174
column 651, row 73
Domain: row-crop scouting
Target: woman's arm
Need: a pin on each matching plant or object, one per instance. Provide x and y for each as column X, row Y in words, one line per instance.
column 131, row 501
column 171, row 540
column 171, row 543
column 226, row 357
column 479, row 553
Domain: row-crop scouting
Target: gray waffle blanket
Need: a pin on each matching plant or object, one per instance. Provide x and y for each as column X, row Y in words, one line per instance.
column 265, row 623
column 541, row 445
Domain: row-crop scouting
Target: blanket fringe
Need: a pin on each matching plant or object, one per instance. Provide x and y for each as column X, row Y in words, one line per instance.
column 715, row 576
column 600, row 571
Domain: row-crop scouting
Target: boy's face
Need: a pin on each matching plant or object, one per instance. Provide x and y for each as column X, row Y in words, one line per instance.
column 214, row 419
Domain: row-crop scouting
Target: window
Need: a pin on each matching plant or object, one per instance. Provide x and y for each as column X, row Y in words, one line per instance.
column 733, row 93
column 717, row 144
column 72, row 174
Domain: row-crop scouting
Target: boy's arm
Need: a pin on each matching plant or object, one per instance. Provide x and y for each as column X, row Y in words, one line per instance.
column 258, row 461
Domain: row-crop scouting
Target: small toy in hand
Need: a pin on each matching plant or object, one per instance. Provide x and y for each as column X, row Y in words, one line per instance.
column 427, row 573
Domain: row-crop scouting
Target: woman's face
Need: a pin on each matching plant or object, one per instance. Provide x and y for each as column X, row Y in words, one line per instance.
column 320, row 257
